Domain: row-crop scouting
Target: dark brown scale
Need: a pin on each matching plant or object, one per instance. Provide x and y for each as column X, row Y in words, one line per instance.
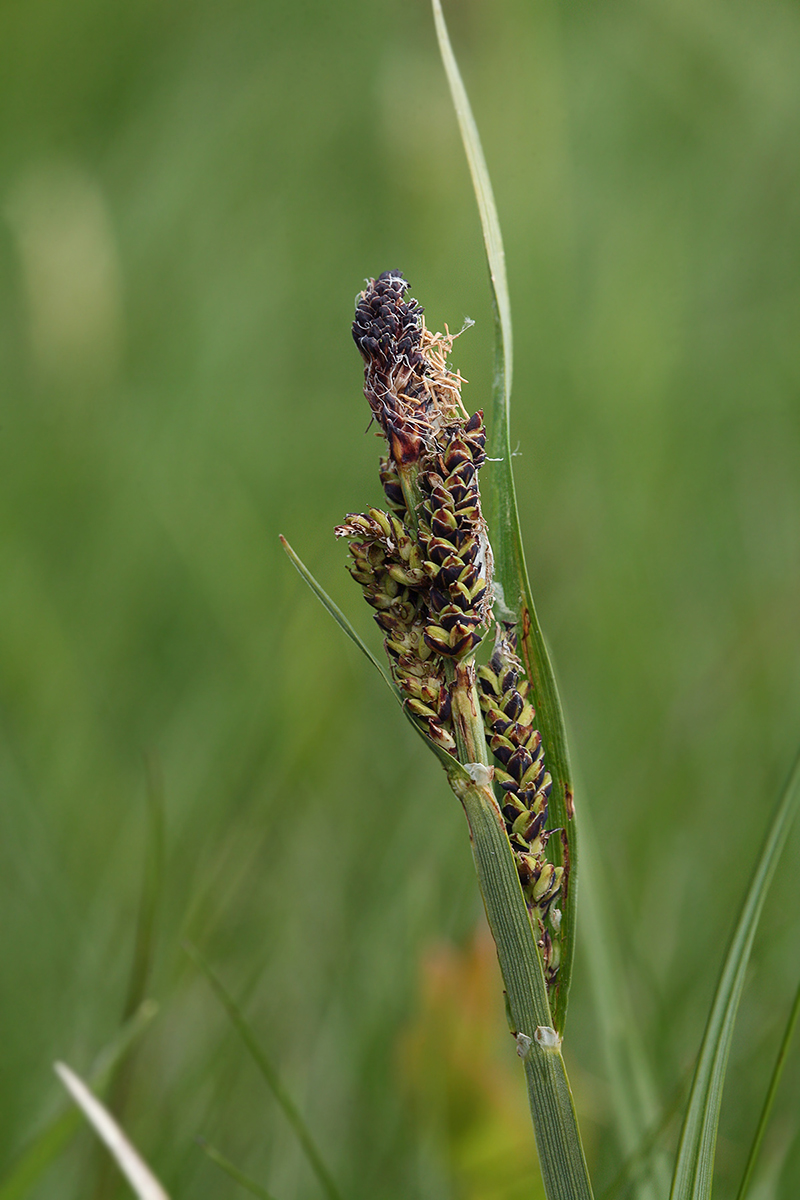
column 449, row 575
column 519, row 762
column 457, row 455
column 383, row 318
column 439, row 550
column 509, row 680
column 440, row 526
column 534, row 827
column 518, row 750
column 501, row 750
column 522, row 733
column 480, row 595
column 525, row 872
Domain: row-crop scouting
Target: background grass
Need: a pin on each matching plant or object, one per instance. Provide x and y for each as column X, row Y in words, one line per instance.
column 191, row 196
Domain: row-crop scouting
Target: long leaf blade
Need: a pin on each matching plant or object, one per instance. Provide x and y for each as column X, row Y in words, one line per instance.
column 225, row 1164
column 769, row 1099
column 270, row 1075
column 141, row 967
column 695, row 1163
column 512, row 586
column 635, row 1101
column 481, row 182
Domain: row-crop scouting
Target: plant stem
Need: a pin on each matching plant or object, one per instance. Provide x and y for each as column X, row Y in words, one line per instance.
column 769, row 1099
column 468, row 728
column 558, row 1140
column 408, row 473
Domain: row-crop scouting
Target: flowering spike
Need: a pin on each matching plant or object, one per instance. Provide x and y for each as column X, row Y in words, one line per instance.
column 425, row 567
column 517, row 745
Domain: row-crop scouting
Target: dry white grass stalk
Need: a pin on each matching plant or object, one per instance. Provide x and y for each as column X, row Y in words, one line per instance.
column 133, row 1167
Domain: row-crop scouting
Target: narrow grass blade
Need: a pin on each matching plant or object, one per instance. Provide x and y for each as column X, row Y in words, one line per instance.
column 695, row 1163
column 635, row 1175
column 225, row 1164
column 482, row 184
column 133, row 1167
column 58, row 1132
column 561, row 1158
column 270, row 1075
column 142, row 957
column 514, row 600
column 337, row 614
column 634, row 1098
column 769, row 1099
column 150, row 895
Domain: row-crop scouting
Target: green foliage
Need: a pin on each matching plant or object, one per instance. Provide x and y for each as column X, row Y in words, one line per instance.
column 50, row 1141
column 694, row 1168
column 512, row 585
column 210, row 184
column 233, row 1171
column 769, row 1099
column 270, row 1076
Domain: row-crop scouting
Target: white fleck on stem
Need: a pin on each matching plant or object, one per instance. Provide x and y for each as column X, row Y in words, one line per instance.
column 479, row 773
column 547, row 1038
column 523, row 1044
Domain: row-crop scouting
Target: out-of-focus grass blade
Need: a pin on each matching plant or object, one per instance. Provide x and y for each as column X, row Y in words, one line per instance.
column 514, row 600
column 129, row 1161
column 695, row 1163
column 231, row 1169
column 143, row 954
column 337, row 614
column 152, row 879
column 769, row 1099
column 49, row 1143
column 636, row 1106
column 270, row 1075
column 633, row 1176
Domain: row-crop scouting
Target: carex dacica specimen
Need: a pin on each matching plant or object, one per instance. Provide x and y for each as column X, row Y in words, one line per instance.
column 425, row 566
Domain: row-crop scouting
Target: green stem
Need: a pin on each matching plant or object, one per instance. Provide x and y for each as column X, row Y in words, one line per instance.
column 408, row 474
column 769, row 1100
column 558, row 1141
column 468, row 728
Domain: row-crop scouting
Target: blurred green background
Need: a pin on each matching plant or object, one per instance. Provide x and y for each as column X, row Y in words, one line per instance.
column 191, row 195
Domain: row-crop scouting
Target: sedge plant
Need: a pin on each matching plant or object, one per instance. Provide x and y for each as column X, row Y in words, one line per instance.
column 426, row 565
column 443, row 580
column 440, row 562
